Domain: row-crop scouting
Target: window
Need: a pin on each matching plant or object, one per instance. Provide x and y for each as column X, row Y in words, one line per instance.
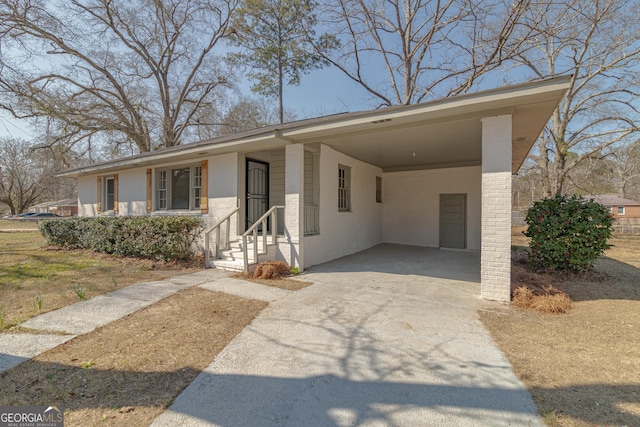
column 610, row 209
column 179, row 188
column 620, row 210
column 109, row 193
column 344, row 188
column 197, row 186
column 162, row 190
column 378, row 189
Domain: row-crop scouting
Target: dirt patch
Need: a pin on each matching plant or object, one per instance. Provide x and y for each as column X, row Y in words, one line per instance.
column 582, row 368
column 128, row 372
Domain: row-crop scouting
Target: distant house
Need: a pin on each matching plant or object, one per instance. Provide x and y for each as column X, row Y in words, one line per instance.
column 435, row 174
column 618, row 206
column 65, row 207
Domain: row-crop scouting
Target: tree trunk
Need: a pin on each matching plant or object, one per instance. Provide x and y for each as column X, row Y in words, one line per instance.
column 280, row 103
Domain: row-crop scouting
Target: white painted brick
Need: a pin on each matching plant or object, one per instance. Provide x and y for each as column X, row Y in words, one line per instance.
column 496, row 208
column 294, row 202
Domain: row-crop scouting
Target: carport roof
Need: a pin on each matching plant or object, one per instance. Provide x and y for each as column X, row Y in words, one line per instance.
column 437, row 134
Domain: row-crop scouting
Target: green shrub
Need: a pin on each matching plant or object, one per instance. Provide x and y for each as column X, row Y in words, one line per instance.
column 567, row 233
column 165, row 238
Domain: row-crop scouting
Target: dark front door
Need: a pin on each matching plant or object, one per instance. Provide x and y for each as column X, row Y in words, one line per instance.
column 453, row 221
column 257, row 190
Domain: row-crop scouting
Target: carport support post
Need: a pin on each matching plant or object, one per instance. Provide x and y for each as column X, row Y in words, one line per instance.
column 294, row 203
column 495, row 257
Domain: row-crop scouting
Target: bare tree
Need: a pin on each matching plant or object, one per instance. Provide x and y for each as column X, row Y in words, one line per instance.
column 113, row 70
column 624, row 164
column 598, row 43
column 24, row 176
column 427, row 48
column 250, row 113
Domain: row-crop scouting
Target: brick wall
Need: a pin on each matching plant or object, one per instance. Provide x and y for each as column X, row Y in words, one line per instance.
column 495, row 268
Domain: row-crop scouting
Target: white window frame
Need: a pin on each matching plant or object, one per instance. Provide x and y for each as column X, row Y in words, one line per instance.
column 344, row 188
column 620, row 210
column 105, row 201
column 163, row 187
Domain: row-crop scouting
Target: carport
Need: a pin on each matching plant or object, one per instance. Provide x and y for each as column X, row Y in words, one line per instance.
column 446, row 171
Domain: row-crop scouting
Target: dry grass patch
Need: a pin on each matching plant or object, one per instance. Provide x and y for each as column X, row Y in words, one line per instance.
column 128, row 372
column 582, row 368
column 6, row 225
column 35, row 279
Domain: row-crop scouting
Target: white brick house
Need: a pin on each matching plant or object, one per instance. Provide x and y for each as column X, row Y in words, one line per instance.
column 435, row 174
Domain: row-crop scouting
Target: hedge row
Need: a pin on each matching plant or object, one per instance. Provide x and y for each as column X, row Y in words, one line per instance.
column 166, row 238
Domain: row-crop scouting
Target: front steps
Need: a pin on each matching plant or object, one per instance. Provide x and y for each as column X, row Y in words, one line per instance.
column 233, row 259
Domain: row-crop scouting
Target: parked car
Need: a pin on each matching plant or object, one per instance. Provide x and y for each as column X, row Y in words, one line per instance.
column 43, row 215
column 26, row 214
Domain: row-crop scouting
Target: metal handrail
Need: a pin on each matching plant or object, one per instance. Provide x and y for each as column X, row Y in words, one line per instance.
column 216, row 227
column 253, row 230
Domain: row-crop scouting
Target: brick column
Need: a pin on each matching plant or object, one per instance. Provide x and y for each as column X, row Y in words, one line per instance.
column 294, row 203
column 495, row 266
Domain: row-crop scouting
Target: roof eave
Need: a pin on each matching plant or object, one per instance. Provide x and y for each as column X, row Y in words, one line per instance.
column 505, row 97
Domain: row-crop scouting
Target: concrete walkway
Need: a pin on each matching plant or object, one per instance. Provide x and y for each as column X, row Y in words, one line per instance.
column 85, row 316
column 386, row 337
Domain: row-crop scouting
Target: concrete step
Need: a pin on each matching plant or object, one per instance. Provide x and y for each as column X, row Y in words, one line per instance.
column 227, row 265
column 233, row 259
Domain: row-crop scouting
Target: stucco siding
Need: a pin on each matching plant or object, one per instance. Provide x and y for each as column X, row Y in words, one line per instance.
column 344, row 233
column 132, row 192
column 223, row 189
column 87, row 196
column 411, row 204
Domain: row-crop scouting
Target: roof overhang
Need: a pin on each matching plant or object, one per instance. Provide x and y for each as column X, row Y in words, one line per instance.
column 443, row 133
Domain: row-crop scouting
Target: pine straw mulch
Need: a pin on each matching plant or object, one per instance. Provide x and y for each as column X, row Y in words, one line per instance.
column 276, row 274
column 542, row 290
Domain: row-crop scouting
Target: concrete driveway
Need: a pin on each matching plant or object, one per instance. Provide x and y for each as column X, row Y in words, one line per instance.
column 385, row 337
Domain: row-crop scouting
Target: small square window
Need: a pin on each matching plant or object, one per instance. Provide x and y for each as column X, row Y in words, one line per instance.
column 620, row 210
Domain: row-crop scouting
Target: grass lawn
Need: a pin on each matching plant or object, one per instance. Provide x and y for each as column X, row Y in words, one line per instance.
column 126, row 372
column 35, row 279
column 583, row 367
column 15, row 224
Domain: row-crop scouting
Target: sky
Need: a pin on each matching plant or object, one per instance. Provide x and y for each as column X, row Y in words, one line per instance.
column 322, row 92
